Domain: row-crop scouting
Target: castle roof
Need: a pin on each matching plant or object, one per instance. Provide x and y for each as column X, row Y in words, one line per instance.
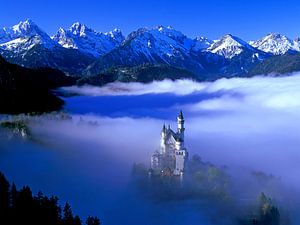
column 180, row 116
column 169, row 133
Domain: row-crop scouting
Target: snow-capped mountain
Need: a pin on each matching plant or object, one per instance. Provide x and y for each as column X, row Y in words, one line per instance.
column 28, row 45
column 158, row 45
column 276, row 44
column 87, row 40
column 81, row 50
column 26, row 29
column 23, row 36
column 21, row 45
column 229, row 46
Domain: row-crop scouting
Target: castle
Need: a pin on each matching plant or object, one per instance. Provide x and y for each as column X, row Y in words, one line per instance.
column 172, row 155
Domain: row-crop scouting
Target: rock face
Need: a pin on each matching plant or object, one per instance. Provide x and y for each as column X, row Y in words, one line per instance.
column 88, row 41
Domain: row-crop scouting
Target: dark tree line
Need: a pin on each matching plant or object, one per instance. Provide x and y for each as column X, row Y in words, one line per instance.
column 21, row 207
column 24, row 90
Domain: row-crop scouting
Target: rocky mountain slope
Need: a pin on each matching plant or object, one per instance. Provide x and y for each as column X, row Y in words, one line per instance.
column 160, row 45
column 87, row 40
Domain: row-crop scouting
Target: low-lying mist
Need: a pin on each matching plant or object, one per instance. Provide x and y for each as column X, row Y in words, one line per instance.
column 248, row 125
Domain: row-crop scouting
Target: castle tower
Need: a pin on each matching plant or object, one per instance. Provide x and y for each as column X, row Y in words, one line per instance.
column 180, row 152
column 163, row 140
column 163, row 131
column 180, row 125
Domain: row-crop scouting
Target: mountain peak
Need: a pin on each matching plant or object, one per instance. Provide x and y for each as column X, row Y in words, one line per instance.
column 116, row 34
column 162, row 28
column 61, row 30
column 27, row 22
column 87, row 40
column 274, row 43
column 24, row 25
column 234, row 40
column 275, row 35
column 26, row 28
column 170, row 32
column 229, row 46
column 13, row 37
column 80, row 29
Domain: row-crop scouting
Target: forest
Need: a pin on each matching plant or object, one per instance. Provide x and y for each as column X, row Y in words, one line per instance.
column 22, row 207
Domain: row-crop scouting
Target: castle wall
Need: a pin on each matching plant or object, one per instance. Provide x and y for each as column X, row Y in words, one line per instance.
column 180, row 158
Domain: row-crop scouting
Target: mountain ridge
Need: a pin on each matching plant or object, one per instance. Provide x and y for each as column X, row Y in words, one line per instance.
column 82, row 51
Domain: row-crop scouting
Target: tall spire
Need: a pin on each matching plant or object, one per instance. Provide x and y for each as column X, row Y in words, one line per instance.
column 180, row 116
column 180, row 123
column 164, row 127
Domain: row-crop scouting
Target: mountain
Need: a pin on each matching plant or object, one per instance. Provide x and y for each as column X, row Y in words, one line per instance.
column 276, row 44
column 87, row 40
column 159, row 45
column 163, row 45
column 31, row 47
column 230, row 46
column 22, row 30
column 24, row 36
column 81, row 51
column 25, row 90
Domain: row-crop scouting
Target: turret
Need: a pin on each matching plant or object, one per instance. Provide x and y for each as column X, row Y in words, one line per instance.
column 180, row 124
column 163, row 131
column 163, row 140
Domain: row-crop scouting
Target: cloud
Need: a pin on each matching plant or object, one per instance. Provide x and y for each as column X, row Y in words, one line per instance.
column 241, row 121
column 178, row 87
column 245, row 123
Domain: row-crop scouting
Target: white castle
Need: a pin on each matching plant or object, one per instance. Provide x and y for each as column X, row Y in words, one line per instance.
column 172, row 155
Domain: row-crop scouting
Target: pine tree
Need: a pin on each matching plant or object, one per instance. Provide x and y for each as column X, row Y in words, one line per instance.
column 77, row 221
column 25, row 206
column 92, row 221
column 68, row 218
column 14, row 195
column 4, row 197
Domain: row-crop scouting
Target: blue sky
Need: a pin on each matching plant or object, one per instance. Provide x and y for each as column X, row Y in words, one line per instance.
column 246, row 19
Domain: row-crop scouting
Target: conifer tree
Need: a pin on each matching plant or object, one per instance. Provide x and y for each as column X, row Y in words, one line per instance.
column 68, row 215
column 4, row 197
column 92, row 221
